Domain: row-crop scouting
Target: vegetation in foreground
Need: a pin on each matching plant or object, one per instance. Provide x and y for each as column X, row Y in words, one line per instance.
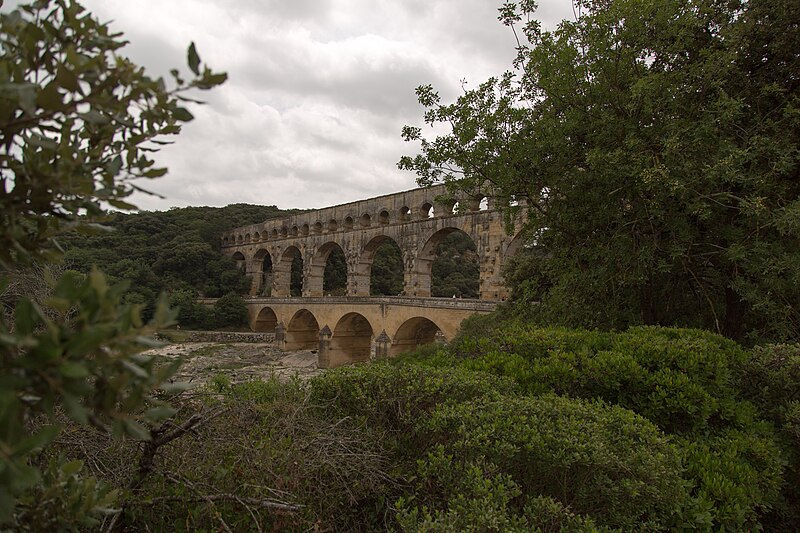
column 510, row 428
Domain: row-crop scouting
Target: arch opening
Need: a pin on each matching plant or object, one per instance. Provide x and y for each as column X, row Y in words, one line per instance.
column 414, row 333
column 333, row 225
column 241, row 262
column 265, row 285
column 365, row 220
column 348, row 222
column 302, row 333
column 448, row 266
column 386, row 267
column 317, row 228
column 426, row 211
column 351, row 340
column 383, row 217
column 266, row 321
column 334, row 277
column 304, row 230
column 405, row 214
column 292, row 261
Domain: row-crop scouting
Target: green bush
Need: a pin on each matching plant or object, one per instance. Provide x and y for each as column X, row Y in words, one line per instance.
column 595, row 459
column 230, row 311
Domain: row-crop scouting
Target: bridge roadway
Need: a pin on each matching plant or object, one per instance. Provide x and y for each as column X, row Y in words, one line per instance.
column 352, row 328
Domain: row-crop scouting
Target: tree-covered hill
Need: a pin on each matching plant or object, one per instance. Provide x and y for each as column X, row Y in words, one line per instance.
column 169, row 251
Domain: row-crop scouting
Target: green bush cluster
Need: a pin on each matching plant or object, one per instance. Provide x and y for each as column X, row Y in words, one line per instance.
column 228, row 312
column 719, row 403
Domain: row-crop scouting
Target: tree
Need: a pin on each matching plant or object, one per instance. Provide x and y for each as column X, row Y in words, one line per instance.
column 656, row 146
column 77, row 121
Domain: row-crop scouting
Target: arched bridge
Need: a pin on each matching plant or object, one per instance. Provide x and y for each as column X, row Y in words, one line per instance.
column 352, row 327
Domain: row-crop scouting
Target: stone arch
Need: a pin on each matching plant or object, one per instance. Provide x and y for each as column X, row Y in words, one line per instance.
column 426, row 210
column 333, row 225
column 305, row 230
column 284, row 231
column 256, row 237
column 413, row 333
column 367, row 258
column 246, row 238
column 316, row 272
column 239, row 239
column 424, row 263
column 274, row 233
column 404, row 214
column 302, row 332
column 317, row 228
column 224, row 241
column 238, row 256
column 295, row 231
column 264, row 273
column 348, row 222
column 282, row 277
column 365, row 220
column 383, row 217
column 351, row 340
column 266, row 320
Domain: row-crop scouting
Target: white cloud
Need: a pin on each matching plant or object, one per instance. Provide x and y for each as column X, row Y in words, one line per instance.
column 318, row 90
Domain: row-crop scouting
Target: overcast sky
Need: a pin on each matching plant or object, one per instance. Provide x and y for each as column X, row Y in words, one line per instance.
column 317, row 91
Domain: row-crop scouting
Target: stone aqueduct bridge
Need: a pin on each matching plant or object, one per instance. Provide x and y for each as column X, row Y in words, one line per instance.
column 357, row 326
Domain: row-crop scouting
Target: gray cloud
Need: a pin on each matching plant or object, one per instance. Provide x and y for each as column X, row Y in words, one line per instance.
column 318, row 90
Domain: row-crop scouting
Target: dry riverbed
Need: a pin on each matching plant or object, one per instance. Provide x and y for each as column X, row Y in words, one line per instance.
column 238, row 361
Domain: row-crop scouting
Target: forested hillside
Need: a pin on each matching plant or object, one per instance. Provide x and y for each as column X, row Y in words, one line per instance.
column 175, row 250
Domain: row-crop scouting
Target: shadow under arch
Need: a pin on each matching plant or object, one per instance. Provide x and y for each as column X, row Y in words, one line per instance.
column 264, row 263
column 386, row 277
column 352, row 340
column 302, row 332
column 266, row 321
column 316, row 278
column 412, row 334
column 423, row 267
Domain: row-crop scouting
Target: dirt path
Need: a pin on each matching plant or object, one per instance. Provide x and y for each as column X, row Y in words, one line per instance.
column 238, row 361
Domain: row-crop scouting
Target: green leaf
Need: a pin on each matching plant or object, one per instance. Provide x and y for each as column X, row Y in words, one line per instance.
column 182, row 114
column 175, row 388
column 73, row 370
column 75, row 410
column 157, row 414
column 36, row 442
column 194, row 60
column 135, row 369
column 136, row 430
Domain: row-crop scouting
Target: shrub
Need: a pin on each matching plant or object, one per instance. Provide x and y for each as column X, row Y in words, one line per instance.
column 595, row 459
column 230, row 311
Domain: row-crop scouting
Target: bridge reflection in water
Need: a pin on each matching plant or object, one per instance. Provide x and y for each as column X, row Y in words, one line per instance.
column 359, row 326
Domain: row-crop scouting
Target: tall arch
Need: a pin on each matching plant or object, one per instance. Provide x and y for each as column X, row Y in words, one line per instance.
column 385, row 276
column 423, row 268
column 414, row 333
column 302, row 333
column 266, row 320
column 352, row 340
column 316, row 271
column 262, row 273
column 283, row 269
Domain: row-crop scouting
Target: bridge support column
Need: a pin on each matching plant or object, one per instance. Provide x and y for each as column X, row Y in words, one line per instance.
column 254, row 270
column 281, row 281
column 280, row 336
column 382, row 345
column 324, row 352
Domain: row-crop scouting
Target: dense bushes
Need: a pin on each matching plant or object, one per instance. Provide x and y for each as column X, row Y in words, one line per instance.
column 228, row 312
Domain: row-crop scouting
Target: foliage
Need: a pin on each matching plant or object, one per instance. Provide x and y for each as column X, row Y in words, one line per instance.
column 230, row 311
column 686, row 382
column 655, row 145
column 454, row 272
column 173, row 251
column 77, row 122
column 334, row 277
column 386, row 276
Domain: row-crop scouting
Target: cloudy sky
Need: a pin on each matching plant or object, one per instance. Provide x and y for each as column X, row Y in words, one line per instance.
column 318, row 90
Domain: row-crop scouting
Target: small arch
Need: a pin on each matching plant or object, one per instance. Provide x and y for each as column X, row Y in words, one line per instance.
column 239, row 239
column 257, row 237
column 224, row 241
column 351, row 340
column 284, row 231
column 238, row 256
column 274, row 233
column 317, row 228
column 426, row 211
column 348, row 222
column 295, row 231
column 304, row 230
column 365, row 220
column 246, row 237
column 414, row 333
column 266, row 321
column 302, row 333
column 241, row 261
column 383, row 217
column 333, row 225
column 405, row 214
